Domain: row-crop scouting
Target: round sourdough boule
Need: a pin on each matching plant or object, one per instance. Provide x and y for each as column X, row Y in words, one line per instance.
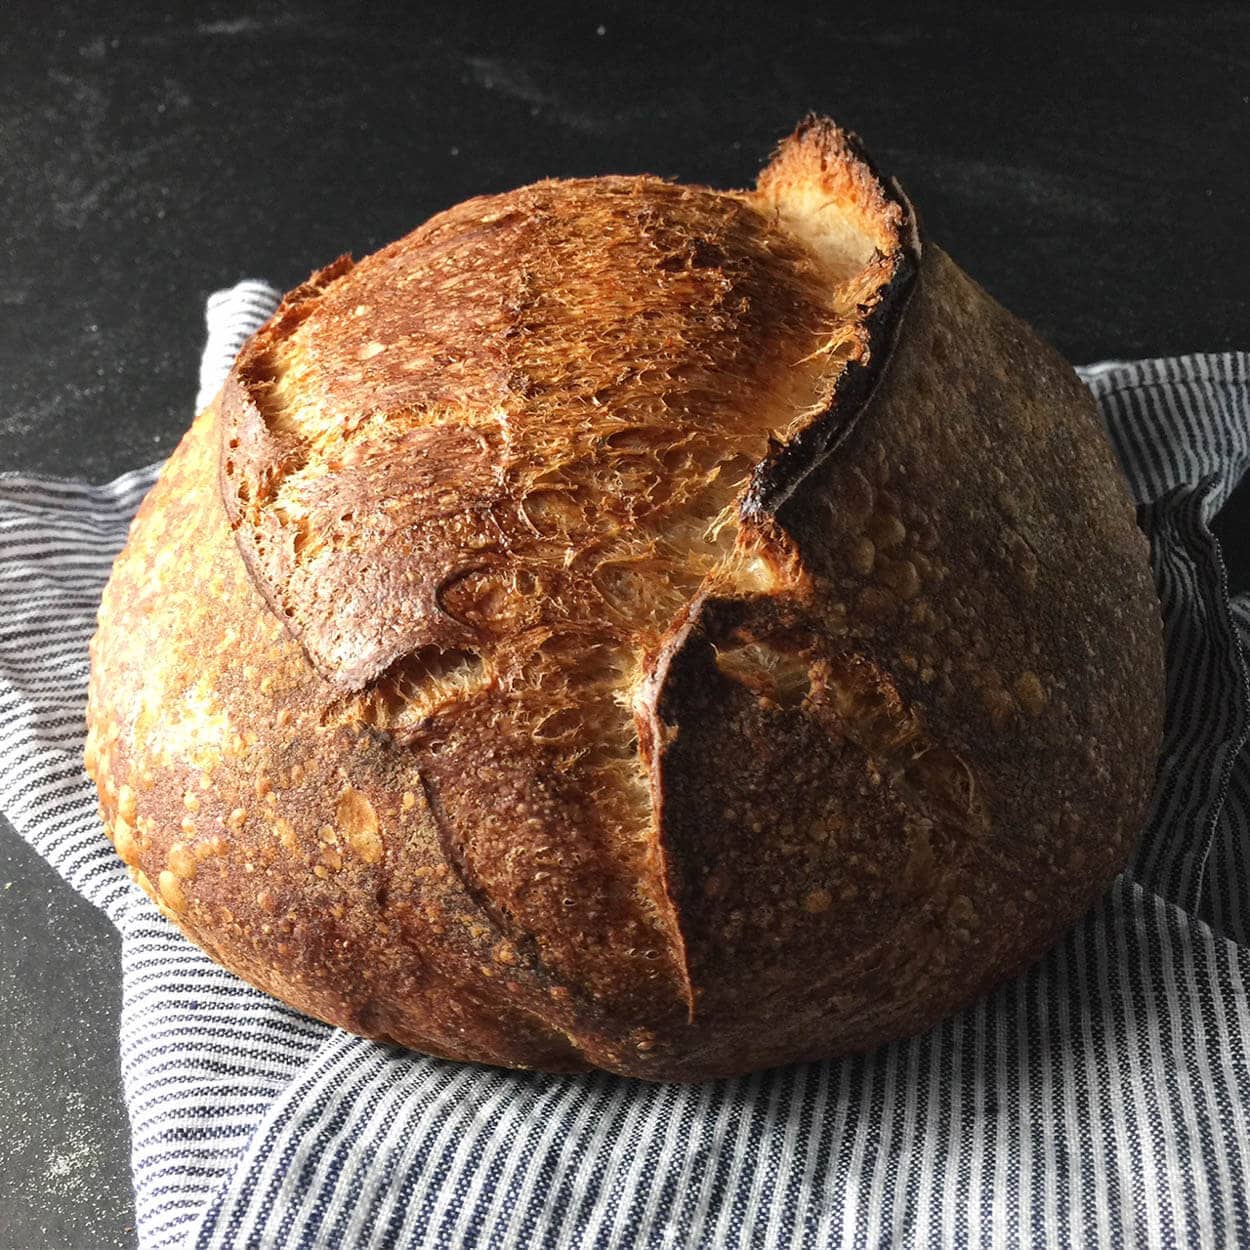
column 635, row 626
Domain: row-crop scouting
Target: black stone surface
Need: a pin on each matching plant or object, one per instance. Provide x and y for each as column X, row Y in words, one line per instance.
column 1092, row 169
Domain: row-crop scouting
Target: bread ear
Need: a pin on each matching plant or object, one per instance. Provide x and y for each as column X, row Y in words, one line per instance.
column 823, row 186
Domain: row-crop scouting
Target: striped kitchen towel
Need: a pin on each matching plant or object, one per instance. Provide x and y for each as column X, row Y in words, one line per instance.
column 1101, row 1099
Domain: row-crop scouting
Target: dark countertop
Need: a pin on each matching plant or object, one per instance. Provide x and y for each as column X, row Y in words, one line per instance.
column 1091, row 170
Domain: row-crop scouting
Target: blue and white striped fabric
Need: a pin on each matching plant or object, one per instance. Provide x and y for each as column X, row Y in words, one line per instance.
column 1102, row 1099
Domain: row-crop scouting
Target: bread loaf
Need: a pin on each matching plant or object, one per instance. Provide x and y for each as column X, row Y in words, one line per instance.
column 635, row 626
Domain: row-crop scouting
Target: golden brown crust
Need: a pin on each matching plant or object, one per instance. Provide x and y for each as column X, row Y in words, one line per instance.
column 634, row 626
